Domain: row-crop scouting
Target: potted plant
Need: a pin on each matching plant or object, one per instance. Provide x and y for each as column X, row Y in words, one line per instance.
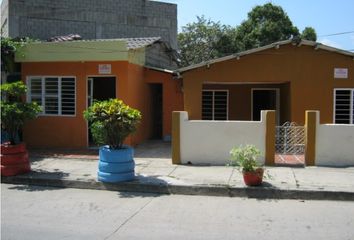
column 246, row 159
column 111, row 122
column 14, row 113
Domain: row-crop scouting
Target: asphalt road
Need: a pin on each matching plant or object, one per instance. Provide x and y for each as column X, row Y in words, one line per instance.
column 29, row 212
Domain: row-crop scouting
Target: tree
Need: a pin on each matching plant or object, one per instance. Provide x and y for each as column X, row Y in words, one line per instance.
column 309, row 33
column 204, row 40
column 226, row 44
column 197, row 41
column 265, row 24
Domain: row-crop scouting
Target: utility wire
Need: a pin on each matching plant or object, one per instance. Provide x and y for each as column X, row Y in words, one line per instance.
column 335, row 34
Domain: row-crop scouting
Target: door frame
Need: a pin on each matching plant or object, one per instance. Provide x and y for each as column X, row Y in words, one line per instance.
column 91, row 94
column 277, row 99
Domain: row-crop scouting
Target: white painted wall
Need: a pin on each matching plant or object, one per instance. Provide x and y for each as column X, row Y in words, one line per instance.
column 335, row 145
column 210, row 142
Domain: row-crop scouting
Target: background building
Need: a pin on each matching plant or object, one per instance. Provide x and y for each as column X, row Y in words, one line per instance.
column 288, row 77
column 91, row 19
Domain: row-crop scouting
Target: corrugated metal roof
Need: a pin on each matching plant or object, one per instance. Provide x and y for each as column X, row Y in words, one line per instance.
column 132, row 43
column 316, row 45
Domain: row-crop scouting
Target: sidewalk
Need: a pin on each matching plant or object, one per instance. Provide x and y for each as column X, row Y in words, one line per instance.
column 155, row 173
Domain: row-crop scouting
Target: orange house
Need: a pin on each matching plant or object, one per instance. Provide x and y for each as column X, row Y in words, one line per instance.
column 65, row 77
column 288, row 76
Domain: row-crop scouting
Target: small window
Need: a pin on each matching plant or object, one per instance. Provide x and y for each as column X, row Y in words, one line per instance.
column 344, row 106
column 215, row 105
column 67, row 96
column 56, row 95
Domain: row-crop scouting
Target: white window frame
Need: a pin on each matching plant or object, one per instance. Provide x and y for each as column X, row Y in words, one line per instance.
column 351, row 104
column 213, row 108
column 29, row 96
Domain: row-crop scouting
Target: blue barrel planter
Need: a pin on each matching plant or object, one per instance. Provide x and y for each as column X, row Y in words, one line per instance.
column 116, row 165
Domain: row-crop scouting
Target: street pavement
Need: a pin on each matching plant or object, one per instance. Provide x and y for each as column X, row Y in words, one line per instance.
column 36, row 213
column 155, row 173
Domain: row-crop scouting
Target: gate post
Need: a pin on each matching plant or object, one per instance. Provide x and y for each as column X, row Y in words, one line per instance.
column 310, row 142
column 270, row 138
column 176, row 137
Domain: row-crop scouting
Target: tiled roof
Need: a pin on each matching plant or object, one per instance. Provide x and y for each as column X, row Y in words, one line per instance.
column 70, row 37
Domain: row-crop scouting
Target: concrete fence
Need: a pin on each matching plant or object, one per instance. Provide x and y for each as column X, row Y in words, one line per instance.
column 334, row 144
column 209, row 142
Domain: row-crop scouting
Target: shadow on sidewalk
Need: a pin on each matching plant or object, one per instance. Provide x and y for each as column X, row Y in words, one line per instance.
column 33, row 188
column 141, row 186
column 138, row 195
column 36, row 180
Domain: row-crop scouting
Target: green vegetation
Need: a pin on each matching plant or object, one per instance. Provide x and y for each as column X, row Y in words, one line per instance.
column 204, row 40
column 14, row 112
column 111, row 122
column 245, row 157
column 9, row 46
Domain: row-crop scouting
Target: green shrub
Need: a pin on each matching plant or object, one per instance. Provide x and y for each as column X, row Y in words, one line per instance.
column 14, row 112
column 9, row 47
column 245, row 157
column 111, row 122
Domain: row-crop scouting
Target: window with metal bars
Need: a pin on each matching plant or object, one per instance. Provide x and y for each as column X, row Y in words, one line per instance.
column 344, row 106
column 56, row 95
column 215, row 104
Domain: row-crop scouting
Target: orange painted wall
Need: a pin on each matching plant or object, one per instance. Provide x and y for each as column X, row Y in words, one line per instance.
column 58, row 131
column 132, row 86
column 308, row 72
column 240, row 99
column 172, row 95
column 138, row 96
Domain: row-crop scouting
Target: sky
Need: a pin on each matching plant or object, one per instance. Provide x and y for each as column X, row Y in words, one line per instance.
column 326, row 16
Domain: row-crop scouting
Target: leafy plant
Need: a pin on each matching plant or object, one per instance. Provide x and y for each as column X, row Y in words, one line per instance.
column 9, row 46
column 245, row 157
column 14, row 112
column 111, row 122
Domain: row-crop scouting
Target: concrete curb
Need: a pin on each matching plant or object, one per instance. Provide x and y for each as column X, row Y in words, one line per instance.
column 262, row 192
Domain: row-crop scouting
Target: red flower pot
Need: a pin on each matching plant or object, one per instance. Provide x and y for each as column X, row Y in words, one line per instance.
column 10, row 149
column 253, row 178
column 14, row 159
column 16, row 169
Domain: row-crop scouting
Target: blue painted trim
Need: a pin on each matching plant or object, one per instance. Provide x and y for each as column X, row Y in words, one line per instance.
column 114, row 177
column 116, row 155
column 116, row 167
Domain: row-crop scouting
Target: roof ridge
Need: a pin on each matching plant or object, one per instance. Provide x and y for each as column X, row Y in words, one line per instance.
column 317, row 45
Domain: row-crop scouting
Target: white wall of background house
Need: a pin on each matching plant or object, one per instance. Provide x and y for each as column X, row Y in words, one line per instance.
column 209, row 142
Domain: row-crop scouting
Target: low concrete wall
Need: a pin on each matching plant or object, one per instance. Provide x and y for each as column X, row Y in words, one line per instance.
column 209, row 142
column 334, row 145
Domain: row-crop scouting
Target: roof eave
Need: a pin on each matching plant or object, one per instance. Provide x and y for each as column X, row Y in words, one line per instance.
column 159, row 69
column 247, row 52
